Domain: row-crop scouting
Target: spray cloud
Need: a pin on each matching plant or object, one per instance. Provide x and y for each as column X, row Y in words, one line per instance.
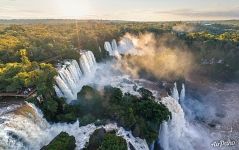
column 164, row 57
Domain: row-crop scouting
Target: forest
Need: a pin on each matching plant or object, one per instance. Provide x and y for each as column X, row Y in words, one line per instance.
column 214, row 45
column 29, row 52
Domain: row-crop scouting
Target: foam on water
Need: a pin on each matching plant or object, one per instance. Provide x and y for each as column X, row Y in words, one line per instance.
column 27, row 129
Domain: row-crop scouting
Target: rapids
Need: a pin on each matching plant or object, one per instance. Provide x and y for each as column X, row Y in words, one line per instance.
column 25, row 128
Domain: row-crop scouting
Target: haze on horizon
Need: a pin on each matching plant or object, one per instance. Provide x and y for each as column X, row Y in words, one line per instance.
column 133, row 10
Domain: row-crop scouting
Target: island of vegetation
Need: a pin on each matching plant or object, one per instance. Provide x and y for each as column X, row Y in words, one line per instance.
column 101, row 140
column 63, row 141
column 142, row 115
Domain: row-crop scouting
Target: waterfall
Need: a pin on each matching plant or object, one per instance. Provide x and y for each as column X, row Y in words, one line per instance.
column 125, row 46
column 152, row 145
column 22, row 129
column 173, row 134
column 58, row 91
column 114, row 45
column 175, row 93
column 25, row 128
column 182, row 94
column 177, row 133
column 108, row 48
column 87, row 62
column 112, row 49
column 100, row 49
column 63, row 88
column 72, row 77
column 164, row 141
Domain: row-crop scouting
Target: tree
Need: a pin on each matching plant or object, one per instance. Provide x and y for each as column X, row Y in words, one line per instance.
column 113, row 142
column 63, row 141
column 24, row 58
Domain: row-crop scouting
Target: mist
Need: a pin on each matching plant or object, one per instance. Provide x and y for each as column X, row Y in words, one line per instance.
column 164, row 57
column 183, row 27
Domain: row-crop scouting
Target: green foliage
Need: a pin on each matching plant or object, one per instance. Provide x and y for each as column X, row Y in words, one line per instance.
column 216, row 54
column 24, row 58
column 90, row 101
column 113, row 142
column 141, row 115
column 45, row 82
column 15, row 76
column 63, row 141
column 87, row 119
column 68, row 117
column 57, row 110
column 50, row 108
column 101, row 140
column 64, row 37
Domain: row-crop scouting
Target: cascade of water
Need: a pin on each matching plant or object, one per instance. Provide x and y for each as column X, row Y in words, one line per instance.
column 22, row 129
column 182, row 94
column 112, row 49
column 67, row 80
column 126, row 46
column 108, row 48
column 177, row 134
column 92, row 57
column 100, row 49
column 75, row 70
column 164, row 141
column 85, row 64
column 175, row 129
column 70, row 77
column 114, row 45
column 152, row 145
column 25, row 128
column 58, row 91
column 175, row 93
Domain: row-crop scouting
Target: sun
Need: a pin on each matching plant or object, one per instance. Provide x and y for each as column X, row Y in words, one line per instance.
column 74, row 8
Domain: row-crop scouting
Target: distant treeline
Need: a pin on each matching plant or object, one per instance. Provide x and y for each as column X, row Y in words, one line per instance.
column 215, row 45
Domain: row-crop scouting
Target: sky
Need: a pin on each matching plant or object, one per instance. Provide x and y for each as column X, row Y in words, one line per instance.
column 132, row 10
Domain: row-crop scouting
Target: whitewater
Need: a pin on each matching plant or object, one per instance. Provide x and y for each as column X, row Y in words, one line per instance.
column 23, row 127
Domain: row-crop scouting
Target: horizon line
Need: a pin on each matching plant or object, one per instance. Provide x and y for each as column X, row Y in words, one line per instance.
column 14, row 19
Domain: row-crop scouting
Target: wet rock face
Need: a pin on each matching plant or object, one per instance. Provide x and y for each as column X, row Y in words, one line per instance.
column 62, row 141
column 96, row 139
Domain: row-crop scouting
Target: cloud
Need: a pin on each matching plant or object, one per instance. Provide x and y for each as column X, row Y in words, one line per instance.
column 232, row 13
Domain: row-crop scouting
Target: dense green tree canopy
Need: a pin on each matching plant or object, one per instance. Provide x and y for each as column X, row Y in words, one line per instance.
column 217, row 41
column 63, row 141
column 16, row 76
